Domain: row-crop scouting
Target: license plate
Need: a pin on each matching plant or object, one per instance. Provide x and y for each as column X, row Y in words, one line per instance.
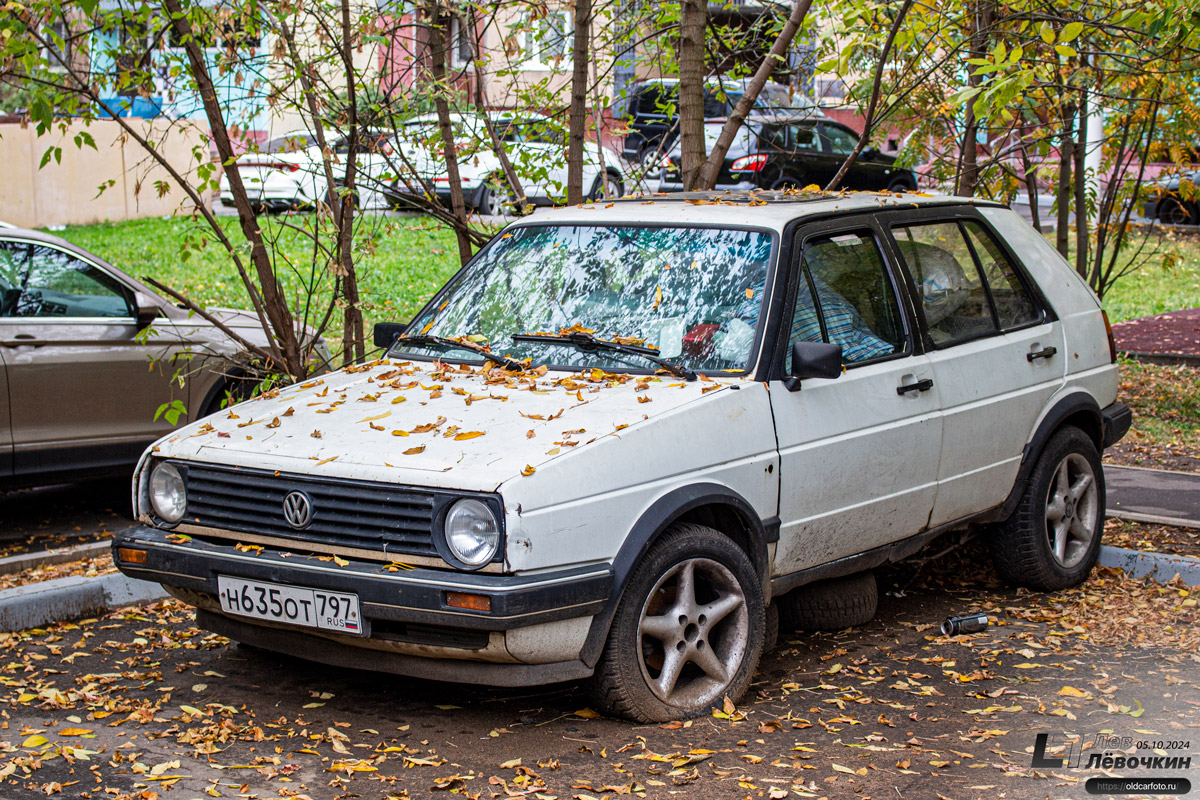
column 294, row 605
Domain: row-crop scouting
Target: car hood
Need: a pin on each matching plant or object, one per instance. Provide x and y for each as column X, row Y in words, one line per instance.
column 432, row 424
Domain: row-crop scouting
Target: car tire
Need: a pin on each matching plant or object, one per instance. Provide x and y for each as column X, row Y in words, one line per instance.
column 664, row 621
column 831, row 605
column 1173, row 211
column 237, row 389
column 1052, row 539
column 615, row 188
column 901, row 185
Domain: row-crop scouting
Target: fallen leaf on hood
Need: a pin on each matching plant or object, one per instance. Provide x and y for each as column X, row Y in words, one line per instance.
column 398, row 399
column 289, row 412
column 377, row 416
column 275, row 423
column 468, row 435
column 412, row 451
column 658, row 296
column 326, row 461
column 528, row 471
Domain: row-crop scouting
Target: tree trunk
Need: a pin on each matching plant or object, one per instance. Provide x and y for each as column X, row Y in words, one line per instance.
column 693, row 18
column 1062, row 236
column 437, row 71
column 1079, row 156
column 274, row 301
column 510, row 174
column 577, row 117
column 353, row 338
column 1031, row 185
column 968, row 160
column 778, row 54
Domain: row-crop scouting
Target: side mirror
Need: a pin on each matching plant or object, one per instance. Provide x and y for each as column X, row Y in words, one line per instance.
column 147, row 310
column 813, row 360
column 870, row 153
column 385, row 333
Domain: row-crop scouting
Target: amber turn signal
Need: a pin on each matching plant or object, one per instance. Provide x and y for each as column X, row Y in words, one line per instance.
column 131, row 556
column 471, row 602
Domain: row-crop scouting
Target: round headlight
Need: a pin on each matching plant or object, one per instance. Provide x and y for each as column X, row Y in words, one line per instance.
column 167, row 494
column 472, row 534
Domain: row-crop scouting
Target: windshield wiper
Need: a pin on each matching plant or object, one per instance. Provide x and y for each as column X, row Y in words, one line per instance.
column 587, row 341
column 441, row 341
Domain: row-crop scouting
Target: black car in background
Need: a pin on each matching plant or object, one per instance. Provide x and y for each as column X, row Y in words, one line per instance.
column 1174, row 199
column 651, row 109
column 780, row 151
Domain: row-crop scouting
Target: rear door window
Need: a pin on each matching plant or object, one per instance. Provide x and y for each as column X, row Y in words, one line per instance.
column 965, row 284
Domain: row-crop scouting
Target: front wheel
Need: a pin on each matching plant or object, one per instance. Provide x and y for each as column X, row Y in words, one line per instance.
column 688, row 632
column 1174, row 212
column 1053, row 538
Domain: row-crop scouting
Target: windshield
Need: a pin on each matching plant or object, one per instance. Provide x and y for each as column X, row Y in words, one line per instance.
column 692, row 294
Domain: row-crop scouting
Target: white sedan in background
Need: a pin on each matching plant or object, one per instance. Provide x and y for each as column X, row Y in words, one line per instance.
column 288, row 172
column 534, row 146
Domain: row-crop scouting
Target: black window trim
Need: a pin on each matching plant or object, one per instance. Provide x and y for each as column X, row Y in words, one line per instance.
column 900, row 218
column 799, row 236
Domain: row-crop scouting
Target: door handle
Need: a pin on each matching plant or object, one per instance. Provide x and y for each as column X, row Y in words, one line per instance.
column 920, row 386
column 24, row 340
column 1046, row 352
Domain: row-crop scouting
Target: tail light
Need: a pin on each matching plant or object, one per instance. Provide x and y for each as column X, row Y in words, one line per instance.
column 665, row 162
column 1112, row 341
column 753, row 163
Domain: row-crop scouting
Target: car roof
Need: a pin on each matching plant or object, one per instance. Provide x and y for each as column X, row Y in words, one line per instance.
column 766, row 209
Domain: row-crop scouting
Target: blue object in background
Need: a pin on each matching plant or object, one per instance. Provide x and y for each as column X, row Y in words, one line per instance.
column 146, row 107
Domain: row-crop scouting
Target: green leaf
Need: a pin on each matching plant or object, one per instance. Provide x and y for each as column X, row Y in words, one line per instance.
column 1070, row 31
column 1046, row 32
column 1065, row 50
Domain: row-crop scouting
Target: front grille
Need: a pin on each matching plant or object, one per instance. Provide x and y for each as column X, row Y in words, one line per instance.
column 372, row 516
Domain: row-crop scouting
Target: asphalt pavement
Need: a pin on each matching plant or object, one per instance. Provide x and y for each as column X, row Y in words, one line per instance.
column 1153, row 495
column 141, row 704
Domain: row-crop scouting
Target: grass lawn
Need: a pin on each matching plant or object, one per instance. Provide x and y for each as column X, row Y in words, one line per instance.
column 1167, row 278
column 404, row 262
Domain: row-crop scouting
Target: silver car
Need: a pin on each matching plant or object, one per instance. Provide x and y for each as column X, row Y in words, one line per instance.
column 81, row 379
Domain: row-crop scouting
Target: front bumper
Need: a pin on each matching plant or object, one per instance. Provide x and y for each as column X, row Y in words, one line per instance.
column 405, row 611
column 1117, row 418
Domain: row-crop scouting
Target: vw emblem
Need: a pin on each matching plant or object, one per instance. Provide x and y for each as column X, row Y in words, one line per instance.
column 297, row 510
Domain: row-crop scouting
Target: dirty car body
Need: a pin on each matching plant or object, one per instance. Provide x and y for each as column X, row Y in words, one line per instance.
column 436, row 514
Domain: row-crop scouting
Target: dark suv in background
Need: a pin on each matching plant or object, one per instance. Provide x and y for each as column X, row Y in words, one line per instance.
column 779, row 151
column 652, row 111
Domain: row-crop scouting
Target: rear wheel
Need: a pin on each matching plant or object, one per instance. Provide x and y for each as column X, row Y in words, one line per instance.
column 496, row 198
column 1174, row 211
column 1051, row 541
column 688, row 631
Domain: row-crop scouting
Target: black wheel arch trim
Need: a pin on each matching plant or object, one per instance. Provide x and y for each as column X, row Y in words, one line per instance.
column 650, row 526
column 1074, row 405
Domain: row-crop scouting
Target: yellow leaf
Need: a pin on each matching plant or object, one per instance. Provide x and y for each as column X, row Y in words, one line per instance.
column 192, row 710
column 513, row 764
column 587, row 713
column 1071, row 691
column 528, row 471
column 74, row 732
column 658, row 296
column 377, row 416
column 468, row 435
column 399, row 433
column 840, row 768
column 412, row 451
column 341, row 562
column 35, row 741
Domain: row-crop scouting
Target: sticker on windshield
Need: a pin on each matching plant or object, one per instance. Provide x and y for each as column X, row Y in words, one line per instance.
column 846, row 240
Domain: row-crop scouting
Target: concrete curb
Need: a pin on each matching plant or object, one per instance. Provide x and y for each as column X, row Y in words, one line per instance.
column 73, row 597
column 1158, row 567
column 13, row 564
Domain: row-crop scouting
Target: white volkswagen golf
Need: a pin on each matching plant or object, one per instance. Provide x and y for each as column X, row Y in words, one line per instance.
column 625, row 435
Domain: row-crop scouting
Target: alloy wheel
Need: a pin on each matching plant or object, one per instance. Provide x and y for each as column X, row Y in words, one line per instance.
column 693, row 633
column 1072, row 505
